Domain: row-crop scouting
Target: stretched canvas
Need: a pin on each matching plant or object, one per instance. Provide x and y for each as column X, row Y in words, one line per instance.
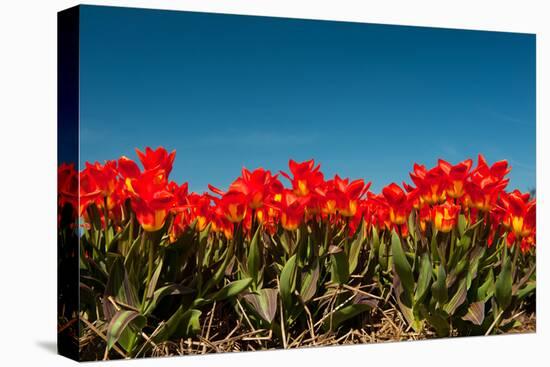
column 233, row 183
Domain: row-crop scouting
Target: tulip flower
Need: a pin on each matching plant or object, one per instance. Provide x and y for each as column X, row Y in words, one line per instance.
column 234, row 206
column 151, row 199
column 158, row 159
column 105, row 177
column 343, row 196
column 424, row 216
column 430, row 183
column 257, row 185
column 522, row 220
column 200, row 210
column 485, row 185
column 397, row 202
column 414, row 196
column 180, row 193
column 306, row 177
column 399, row 207
column 220, row 224
column 445, row 216
column 292, row 209
column 128, row 168
column 89, row 191
column 496, row 172
column 178, row 226
column 456, row 177
column 438, row 195
column 67, row 185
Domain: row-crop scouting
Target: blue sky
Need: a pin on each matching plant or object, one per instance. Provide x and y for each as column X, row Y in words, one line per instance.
column 364, row 100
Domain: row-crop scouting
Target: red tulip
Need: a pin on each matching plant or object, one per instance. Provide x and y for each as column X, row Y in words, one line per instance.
column 128, row 168
column 292, row 209
column 258, row 186
column 234, row 206
column 220, row 224
column 158, row 159
column 89, row 192
column 445, row 216
column 106, row 178
column 180, row 193
column 306, row 177
column 67, row 185
column 456, row 177
column 521, row 213
column 485, row 185
column 398, row 203
column 200, row 210
column 431, row 184
column 342, row 196
column 151, row 199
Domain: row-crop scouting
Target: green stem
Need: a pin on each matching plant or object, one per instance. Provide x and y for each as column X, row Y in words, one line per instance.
column 130, row 235
column 150, row 252
column 106, row 215
column 453, row 240
column 150, row 260
column 515, row 260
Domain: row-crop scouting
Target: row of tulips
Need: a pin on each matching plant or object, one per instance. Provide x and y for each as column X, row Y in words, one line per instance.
column 259, row 197
column 454, row 250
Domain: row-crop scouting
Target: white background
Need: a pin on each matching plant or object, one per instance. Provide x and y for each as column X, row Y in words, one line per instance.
column 28, row 181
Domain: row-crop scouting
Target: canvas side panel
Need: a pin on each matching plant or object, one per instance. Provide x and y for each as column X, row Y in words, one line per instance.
column 67, row 156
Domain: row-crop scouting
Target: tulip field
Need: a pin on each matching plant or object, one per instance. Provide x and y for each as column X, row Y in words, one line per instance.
column 293, row 258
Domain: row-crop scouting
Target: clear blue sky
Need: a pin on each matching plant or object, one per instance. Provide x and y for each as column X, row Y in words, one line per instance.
column 364, row 100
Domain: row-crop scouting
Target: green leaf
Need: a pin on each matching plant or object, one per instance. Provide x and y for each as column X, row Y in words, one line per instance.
column 231, row 289
column 529, row 288
column 528, row 276
column 264, row 302
column 476, row 313
column 375, row 239
column 167, row 290
column 401, row 264
column 170, row 325
column 190, row 323
column 465, row 240
column 345, row 313
column 503, row 285
column 424, row 278
column 182, row 323
column 253, row 260
column 339, row 272
column 462, row 223
column 487, row 289
column 507, row 326
column 355, row 247
column 439, row 288
column 118, row 236
column 120, row 322
column 383, row 259
column 287, row 281
column 404, row 301
column 154, row 280
column 473, row 265
column 310, row 277
column 220, row 271
column 411, row 225
column 95, row 217
column 457, row 300
column 438, row 321
column 433, row 246
column 456, row 271
column 119, row 286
